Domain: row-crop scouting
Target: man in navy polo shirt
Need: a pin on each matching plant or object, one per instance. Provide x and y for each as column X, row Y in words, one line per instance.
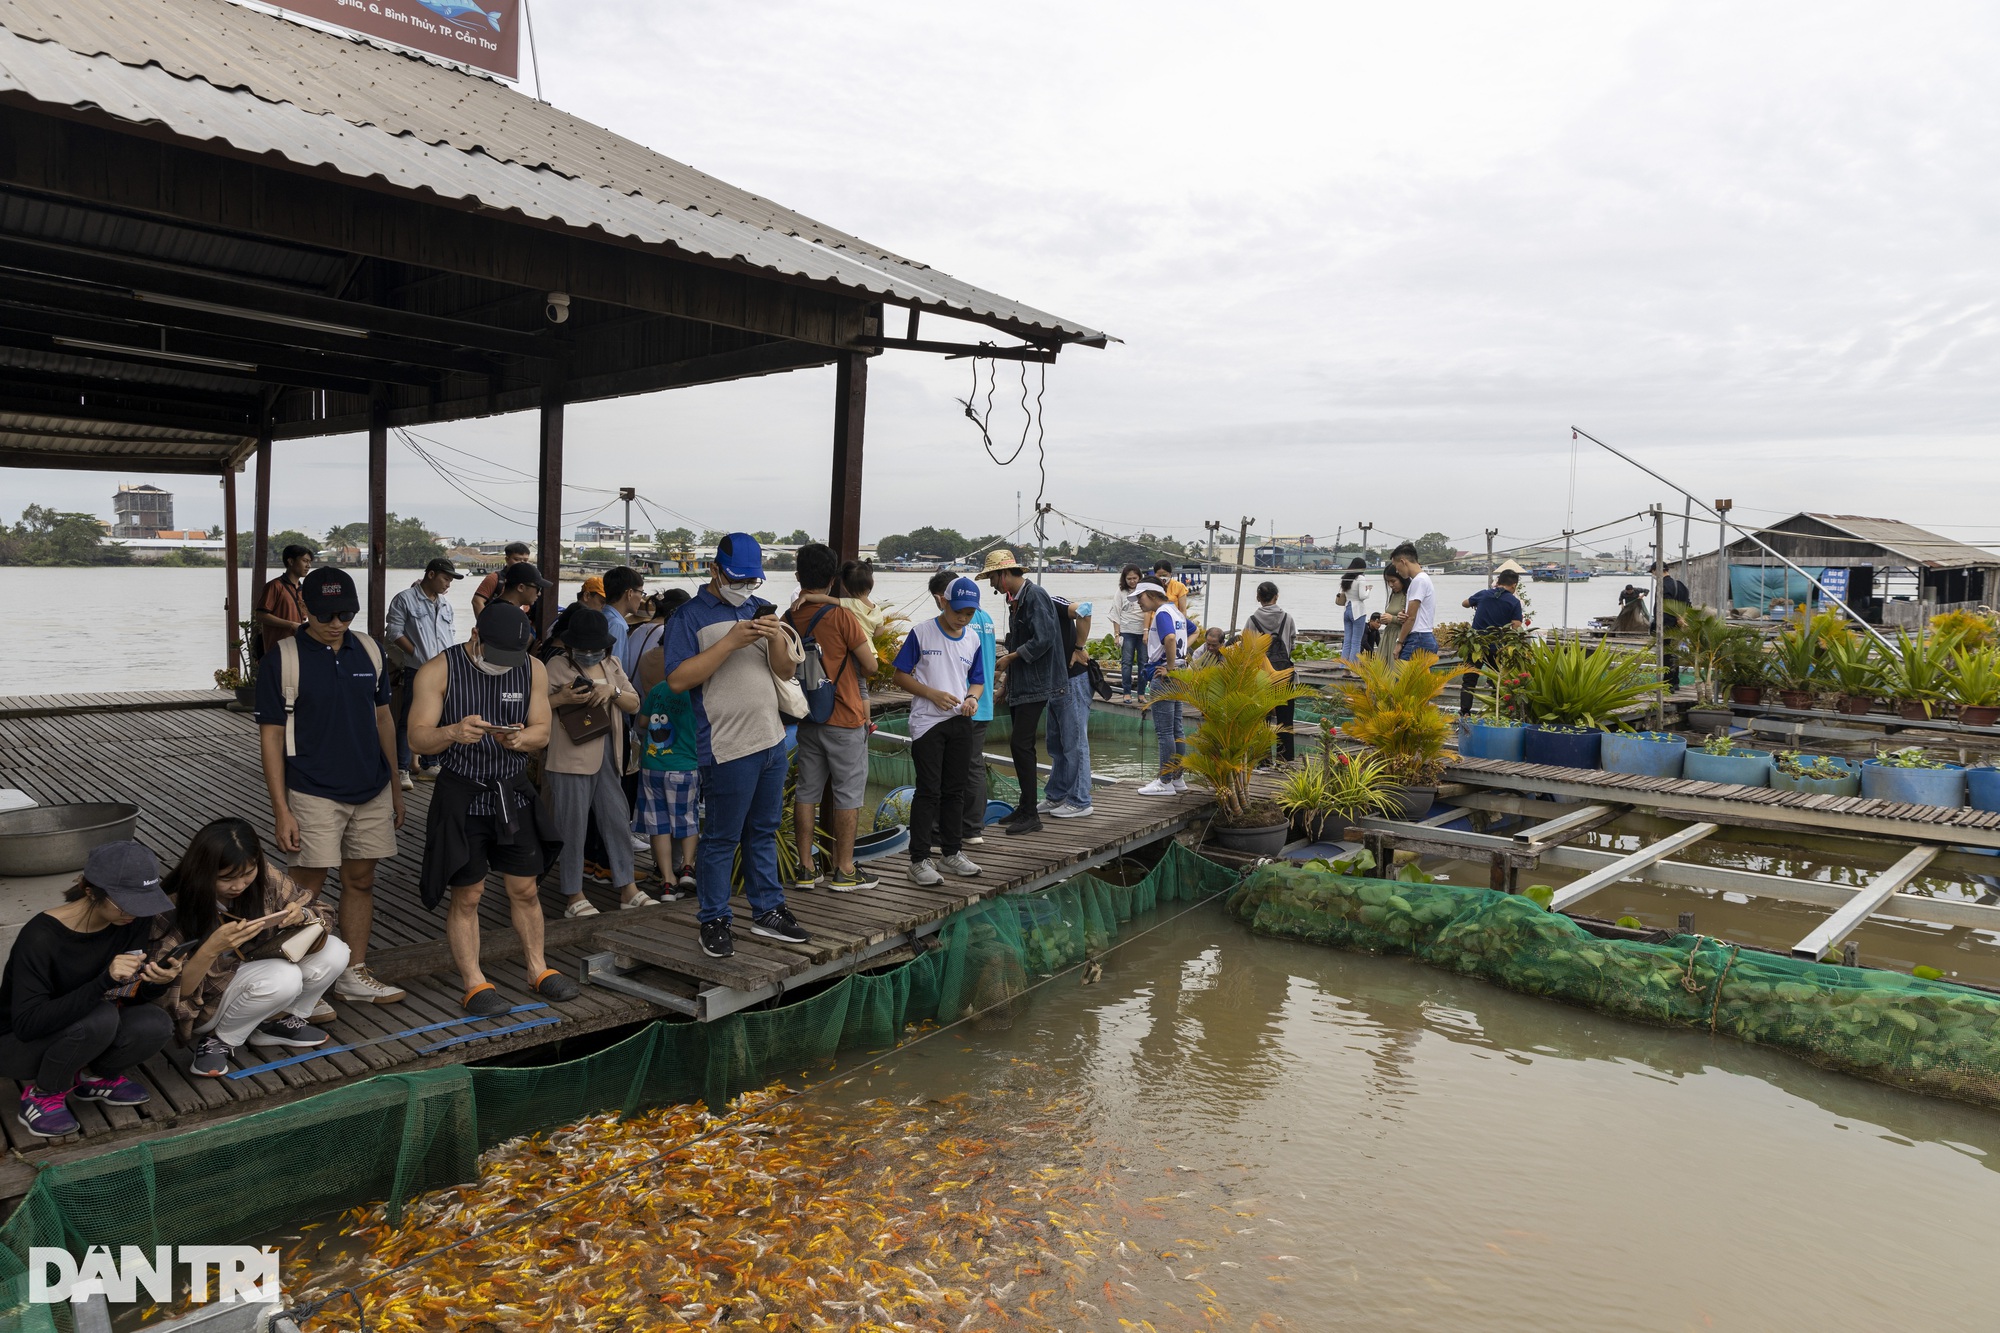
column 331, row 771
column 1492, row 608
column 724, row 650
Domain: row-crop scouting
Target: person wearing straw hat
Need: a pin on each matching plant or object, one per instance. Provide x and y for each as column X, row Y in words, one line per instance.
column 1036, row 673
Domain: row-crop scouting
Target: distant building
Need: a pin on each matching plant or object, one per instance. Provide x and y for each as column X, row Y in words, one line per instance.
column 142, row 511
column 594, row 533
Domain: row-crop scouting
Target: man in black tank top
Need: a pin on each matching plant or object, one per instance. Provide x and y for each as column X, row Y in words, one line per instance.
column 483, row 707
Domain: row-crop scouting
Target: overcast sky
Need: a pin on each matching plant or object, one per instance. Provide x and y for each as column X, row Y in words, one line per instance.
column 1368, row 262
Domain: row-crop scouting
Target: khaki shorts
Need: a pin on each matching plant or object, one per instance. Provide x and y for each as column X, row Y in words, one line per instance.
column 836, row 753
column 330, row 833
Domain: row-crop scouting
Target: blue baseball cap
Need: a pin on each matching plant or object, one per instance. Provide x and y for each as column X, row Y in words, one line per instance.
column 740, row 557
column 962, row 593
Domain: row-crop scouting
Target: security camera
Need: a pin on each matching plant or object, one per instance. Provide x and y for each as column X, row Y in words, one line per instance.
column 558, row 308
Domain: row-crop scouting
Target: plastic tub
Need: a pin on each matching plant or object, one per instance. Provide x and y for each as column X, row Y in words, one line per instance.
column 1745, row 768
column 1848, row 783
column 1562, row 747
column 1478, row 740
column 1913, row 786
column 1653, row 754
column 1982, row 787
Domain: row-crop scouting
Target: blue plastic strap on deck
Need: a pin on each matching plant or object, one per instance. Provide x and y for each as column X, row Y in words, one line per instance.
column 319, row 1052
column 489, row 1032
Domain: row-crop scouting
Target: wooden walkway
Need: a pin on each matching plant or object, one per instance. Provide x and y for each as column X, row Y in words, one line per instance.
column 187, row 765
column 132, row 701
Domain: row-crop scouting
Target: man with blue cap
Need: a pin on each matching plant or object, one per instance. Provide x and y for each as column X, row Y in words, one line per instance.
column 940, row 666
column 726, row 651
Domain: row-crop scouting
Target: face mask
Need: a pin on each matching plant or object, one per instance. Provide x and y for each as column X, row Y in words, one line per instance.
column 735, row 593
column 489, row 668
column 587, row 659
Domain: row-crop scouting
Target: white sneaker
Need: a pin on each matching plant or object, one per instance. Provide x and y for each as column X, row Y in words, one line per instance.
column 639, row 898
column 974, row 841
column 1047, row 807
column 358, row 983
column 960, row 864
column 322, row 1014
column 1158, row 787
column 640, row 844
column 925, row 872
column 1067, row 811
column 1180, row 785
column 407, row 782
column 580, row 906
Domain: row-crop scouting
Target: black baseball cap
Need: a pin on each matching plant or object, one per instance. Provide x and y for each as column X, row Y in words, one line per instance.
column 129, row 875
column 504, row 634
column 329, row 594
column 586, row 629
column 443, row 566
column 525, row 572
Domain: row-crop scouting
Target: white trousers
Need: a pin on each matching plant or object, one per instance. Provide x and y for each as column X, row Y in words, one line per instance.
column 267, row 987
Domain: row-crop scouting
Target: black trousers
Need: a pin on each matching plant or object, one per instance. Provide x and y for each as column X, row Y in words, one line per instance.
column 1282, row 717
column 1027, row 717
column 110, row 1039
column 938, row 807
column 975, row 781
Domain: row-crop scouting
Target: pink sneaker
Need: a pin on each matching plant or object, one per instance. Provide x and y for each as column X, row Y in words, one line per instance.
column 118, row 1091
column 46, row 1113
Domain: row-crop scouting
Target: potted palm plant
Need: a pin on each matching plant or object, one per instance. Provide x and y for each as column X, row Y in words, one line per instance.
column 1918, row 675
column 1851, row 667
column 1743, row 666
column 1699, row 639
column 1235, row 695
column 1571, row 695
column 1397, row 717
column 1795, row 665
column 1973, row 683
column 1324, row 787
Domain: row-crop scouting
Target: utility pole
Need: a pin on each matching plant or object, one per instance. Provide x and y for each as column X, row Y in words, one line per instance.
column 1687, row 520
column 1723, row 597
column 1491, row 533
column 1236, row 599
column 626, row 493
column 1660, row 617
column 1214, row 525
column 1567, row 534
column 1366, row 528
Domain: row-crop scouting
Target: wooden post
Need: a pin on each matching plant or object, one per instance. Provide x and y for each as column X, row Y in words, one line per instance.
column 1687, row 923
column 260, row 522
column 850, row 413
column 378, row 517
column 229, row 597
column 548, row 512
column 1236, row 599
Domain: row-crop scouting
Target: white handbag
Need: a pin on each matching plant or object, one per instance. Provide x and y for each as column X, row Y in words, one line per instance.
column 792, row 705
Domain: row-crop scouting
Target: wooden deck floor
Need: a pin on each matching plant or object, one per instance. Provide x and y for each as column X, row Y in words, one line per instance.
column 187, row 765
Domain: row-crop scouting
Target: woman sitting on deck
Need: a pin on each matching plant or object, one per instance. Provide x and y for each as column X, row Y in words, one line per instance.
column 233, row 901
column 74, row 1001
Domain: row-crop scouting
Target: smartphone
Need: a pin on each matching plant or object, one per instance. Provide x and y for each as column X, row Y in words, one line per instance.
column 185, row 949
column 767, row 611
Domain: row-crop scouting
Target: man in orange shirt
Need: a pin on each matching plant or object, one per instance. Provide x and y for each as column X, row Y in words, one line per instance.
column 834, row 753
column 280, row 608
column 517, row 553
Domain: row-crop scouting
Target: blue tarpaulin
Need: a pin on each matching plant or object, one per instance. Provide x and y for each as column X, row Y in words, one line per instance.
column 1760, row 585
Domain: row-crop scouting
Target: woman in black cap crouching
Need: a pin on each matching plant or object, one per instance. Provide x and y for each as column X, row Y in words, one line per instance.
column 76, row 1000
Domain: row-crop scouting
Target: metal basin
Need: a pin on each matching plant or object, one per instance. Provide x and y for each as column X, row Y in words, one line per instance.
column 54, row 839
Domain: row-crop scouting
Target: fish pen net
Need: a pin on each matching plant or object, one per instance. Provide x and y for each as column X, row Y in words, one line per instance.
column 398, row 1135
column 1927, row 1036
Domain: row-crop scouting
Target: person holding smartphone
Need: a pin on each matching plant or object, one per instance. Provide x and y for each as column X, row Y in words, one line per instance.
column 582, row 778
column 228, row 899
column 76, row 1007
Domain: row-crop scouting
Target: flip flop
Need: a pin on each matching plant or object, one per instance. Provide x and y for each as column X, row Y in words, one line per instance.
column 553, row 985
column 483, row 1001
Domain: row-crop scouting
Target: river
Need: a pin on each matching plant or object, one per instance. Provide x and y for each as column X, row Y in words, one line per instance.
column 138, row 628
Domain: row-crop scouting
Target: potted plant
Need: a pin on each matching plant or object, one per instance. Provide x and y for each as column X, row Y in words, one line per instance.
column 1973, row 683
column 1743, row 667
column 1396, row 715
column 1570, row 694
column 241, row 679
column 1720, row 759
column 1912, row 777
column 1323, row 787
column 1795, row 665
column 1815, row 774
column 1653, row 754
column 1850, row 666
column 1496, row 728
column 1701, row 639
column 1235, row 695
column 1918, row 673
column 1982, row 787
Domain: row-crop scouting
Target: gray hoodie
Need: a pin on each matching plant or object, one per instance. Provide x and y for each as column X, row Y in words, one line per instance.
column 1275, row 621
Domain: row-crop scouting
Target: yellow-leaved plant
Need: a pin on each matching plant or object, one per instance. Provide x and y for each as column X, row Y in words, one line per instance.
column 1235, row 695
column 1396, row 714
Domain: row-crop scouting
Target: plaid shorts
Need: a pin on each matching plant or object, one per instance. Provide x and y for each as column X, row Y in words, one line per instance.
column 669, row 803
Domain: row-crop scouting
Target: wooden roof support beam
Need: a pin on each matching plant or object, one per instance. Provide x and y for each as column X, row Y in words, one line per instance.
column 1626, row 867
column 1863, row 904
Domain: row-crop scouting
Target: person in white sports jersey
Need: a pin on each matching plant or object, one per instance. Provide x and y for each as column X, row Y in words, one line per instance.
column 940, row 665
column 1166, row 652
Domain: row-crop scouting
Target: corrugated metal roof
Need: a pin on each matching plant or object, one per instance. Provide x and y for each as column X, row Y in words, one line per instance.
column 209, row 70
column 1907, row 540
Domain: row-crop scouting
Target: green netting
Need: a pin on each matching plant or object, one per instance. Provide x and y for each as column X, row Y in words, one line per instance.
column 397, row 1135
column 1929, row 1036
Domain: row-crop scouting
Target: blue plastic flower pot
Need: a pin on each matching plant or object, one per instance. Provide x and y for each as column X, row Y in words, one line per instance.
column 1848, row 783
column 1478, row 740
column 1982, row 787
column 1913, row 786
column 1745, row 768
column 1562, row 747
column 1652, row 754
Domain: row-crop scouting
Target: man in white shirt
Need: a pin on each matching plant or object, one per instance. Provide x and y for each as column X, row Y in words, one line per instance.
column 1419, row 615
column 1166, row 651
column 419, row 626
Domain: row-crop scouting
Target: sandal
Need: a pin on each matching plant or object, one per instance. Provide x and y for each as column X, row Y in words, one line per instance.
column 483, row 1001
column 553, row 985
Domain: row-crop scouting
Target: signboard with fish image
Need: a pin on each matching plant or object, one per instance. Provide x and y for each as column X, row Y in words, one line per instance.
column 481, row 33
